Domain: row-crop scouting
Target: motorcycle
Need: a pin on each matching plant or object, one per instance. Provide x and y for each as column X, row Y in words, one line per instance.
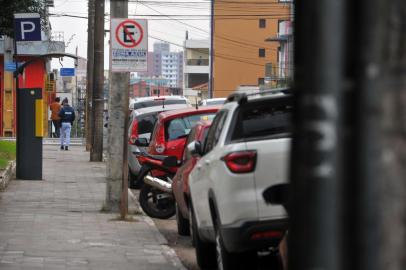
column 156, row 197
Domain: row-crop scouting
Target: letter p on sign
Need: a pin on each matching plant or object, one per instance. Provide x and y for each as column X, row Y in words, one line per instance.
column 27, row 27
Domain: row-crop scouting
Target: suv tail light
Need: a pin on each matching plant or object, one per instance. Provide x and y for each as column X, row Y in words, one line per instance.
column 134, row 132
column 241, row 162
column 266, row 235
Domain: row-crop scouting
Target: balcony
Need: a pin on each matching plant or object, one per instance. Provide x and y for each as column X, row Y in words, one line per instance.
column 197, row 66
column 197, row 62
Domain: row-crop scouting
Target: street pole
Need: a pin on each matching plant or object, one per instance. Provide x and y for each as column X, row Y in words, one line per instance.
column 77, row 93
column 89, row 75
column 96, row 151
column 314, row 232
column 117, row 163
column 211, row 75
column 375, row 186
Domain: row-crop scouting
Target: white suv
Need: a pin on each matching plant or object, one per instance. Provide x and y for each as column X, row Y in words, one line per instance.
column 246, row 151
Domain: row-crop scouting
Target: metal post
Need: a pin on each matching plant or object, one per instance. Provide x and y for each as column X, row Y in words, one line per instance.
column 211, row 75
column 314, row 241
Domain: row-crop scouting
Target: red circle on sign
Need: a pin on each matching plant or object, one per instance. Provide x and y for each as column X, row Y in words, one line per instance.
column 133, row 41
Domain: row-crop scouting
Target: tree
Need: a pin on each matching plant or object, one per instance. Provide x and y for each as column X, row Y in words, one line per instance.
column 8, row 8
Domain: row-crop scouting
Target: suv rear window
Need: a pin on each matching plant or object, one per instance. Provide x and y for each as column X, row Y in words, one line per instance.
column 152, row 103
column 146, row 124
column 262, row 119
column 180, row 127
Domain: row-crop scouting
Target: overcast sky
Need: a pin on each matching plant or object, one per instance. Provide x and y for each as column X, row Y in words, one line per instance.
column 75, row 29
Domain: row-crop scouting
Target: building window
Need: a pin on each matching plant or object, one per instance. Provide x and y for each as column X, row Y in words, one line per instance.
column 262, row 23
column 261, row 81
column 261, row 52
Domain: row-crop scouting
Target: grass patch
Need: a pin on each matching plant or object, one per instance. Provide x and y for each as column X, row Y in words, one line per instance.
column 7, row 153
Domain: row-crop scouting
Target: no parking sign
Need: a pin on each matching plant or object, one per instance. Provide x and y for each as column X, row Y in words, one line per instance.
column 129, row 45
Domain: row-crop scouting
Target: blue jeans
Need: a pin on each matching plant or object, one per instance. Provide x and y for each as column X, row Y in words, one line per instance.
column 65, row 133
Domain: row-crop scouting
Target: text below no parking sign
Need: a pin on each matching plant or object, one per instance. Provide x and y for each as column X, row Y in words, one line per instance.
column 129, row 45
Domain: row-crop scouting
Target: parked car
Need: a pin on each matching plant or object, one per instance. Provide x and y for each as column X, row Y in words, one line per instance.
column 180, row 184
column 212, row 101
column 172, row 128
column 144, row 102
column 246, row 151
column 168, row 139
column 141, row 125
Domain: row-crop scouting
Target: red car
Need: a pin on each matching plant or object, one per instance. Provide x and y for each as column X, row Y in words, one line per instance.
column 172, row 128
column 180, row 184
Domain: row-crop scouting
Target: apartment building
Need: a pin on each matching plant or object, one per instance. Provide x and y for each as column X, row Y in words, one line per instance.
column 240, row 50
column 196, row 68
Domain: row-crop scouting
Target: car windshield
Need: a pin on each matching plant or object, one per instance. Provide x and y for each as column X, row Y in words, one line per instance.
column 157, row 102
column 180, row 127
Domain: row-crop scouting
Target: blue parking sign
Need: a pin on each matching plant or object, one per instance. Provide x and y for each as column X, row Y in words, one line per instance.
column 27, row 27
column 67, row 72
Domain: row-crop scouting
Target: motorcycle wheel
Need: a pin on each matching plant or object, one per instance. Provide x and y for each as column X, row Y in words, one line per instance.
column 153, row 206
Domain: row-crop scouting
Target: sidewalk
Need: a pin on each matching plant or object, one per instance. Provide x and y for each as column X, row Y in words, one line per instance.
column 56, row 223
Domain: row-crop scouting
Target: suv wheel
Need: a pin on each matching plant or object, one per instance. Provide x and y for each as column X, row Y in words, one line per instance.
column 205, row 251
column 232, row 261
column 182, row 223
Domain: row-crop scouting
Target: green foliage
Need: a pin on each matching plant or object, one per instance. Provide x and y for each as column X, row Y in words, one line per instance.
column 7, row 153
column 9, row 7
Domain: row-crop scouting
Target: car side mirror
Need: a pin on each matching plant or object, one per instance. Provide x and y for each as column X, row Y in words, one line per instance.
column 170, row 161
column 143, row 142
column 195, row 148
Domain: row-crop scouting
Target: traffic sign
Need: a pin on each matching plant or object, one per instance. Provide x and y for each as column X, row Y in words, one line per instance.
column 67, row 72
column 129, row 45
column 27, row 27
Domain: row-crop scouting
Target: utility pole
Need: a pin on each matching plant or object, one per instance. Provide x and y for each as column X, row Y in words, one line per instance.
column 375, row 151
column 96, row 152
column 349, row 152
column 314, row 231
column 117, row 166
column 89, row 75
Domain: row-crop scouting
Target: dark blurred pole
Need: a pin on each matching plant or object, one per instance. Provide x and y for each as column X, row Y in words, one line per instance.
column 89, row 75
column 375, row 220
column 212, row 25
column 314, row 232
column 96, row 151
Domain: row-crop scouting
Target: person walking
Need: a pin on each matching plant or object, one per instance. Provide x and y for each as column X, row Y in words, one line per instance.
column 55, row 107
column 67, row 115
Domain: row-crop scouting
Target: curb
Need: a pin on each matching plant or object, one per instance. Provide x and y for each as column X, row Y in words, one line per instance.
column 7, row 175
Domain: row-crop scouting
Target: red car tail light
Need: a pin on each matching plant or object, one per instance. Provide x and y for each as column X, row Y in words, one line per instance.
column 134, row 132
column 241, row 162
column 160, row 142
column 266, row 235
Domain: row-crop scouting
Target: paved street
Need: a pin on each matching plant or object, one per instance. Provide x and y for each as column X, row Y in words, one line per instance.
column 57, row 224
